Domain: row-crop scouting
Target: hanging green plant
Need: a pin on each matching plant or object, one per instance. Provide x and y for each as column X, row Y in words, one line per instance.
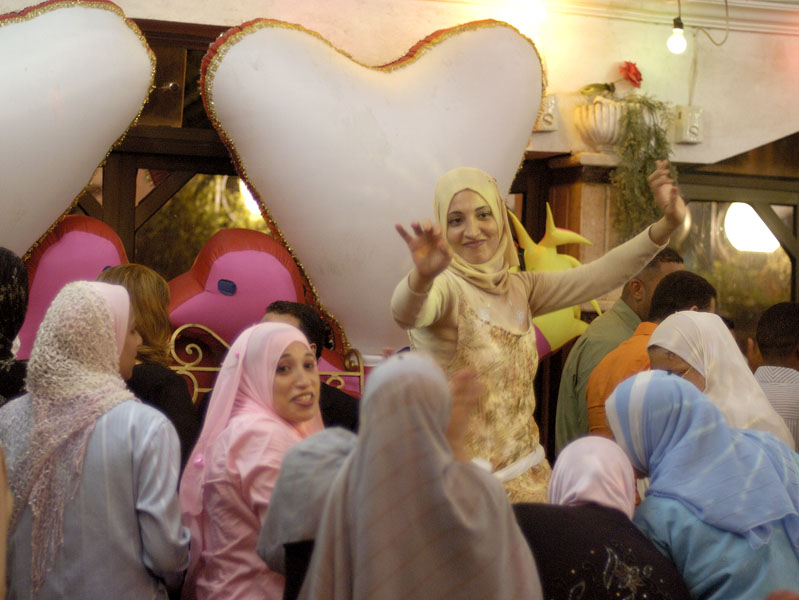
column 638, row 138
column 643, row 141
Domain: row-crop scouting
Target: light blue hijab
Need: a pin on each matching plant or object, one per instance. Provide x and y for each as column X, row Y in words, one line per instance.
column 742, row 481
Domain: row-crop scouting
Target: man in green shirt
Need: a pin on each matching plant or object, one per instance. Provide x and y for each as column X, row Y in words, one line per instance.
column 606, row 332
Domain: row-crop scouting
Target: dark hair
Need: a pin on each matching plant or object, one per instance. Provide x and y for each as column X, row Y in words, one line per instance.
column 778, row 330
column 13, row 299
column 667, row 255
column 311, row 324
column 680, row 290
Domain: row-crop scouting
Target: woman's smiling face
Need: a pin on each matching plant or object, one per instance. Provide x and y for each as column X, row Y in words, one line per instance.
column 472, row 230
column 295, row 392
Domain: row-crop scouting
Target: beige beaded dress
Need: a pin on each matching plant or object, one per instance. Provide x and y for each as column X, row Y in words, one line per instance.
column 485, row 321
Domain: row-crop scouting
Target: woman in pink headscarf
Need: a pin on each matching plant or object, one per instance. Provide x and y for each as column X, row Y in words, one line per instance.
column 584, row 543
column 265, row 400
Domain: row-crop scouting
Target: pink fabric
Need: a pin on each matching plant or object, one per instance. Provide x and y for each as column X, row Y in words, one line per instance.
column 225, row 489
column 77, row 256
column 593, row 469
column 119, row 302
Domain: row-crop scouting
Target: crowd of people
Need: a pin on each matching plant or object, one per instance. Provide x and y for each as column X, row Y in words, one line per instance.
column 676, row 474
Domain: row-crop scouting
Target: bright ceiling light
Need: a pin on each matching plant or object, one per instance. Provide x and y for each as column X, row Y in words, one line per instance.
column 677, row 42
column 746, row 230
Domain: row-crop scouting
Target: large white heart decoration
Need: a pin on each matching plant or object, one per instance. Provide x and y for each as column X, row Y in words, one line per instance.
column 74, row 76
column 339, row 152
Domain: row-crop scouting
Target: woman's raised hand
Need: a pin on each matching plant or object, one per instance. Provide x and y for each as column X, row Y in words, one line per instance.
column 668, row 199
column 429, row 250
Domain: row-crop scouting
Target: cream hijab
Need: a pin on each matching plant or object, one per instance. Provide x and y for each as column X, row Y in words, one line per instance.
column 404, row 519
column 703, row 341
column 492, row 275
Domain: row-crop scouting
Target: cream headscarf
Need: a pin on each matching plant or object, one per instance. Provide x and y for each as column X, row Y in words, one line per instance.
column 73, row 378
column 703, row 341
column 492, row 275
column 403, row 518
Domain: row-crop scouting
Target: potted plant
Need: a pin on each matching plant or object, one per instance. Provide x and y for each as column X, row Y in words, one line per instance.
column 635, row 127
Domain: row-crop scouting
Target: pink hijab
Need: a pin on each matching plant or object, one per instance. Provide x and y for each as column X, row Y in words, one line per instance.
column 244, row 386
column 593, row 469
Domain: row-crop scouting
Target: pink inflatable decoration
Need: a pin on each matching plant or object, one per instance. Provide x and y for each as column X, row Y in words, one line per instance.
column 78, row 248
column 236, row 275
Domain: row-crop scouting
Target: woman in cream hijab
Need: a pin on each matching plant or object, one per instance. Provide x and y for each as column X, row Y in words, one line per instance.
column 463, row 305
column 699, row 348
column 584, row 538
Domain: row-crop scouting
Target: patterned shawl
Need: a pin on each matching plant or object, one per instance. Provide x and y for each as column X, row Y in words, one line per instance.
column 73, row 379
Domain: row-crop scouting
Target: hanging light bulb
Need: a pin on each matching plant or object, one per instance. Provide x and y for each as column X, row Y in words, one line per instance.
column 677, row 42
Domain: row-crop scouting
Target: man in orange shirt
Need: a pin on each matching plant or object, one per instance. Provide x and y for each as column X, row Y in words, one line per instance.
column 680, row 290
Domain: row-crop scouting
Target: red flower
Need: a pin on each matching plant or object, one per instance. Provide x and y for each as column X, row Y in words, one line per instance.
column 630, row 72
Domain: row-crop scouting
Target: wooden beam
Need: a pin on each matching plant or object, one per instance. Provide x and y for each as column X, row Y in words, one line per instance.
column 89, row 204
column 160, row 195
column 119, row 198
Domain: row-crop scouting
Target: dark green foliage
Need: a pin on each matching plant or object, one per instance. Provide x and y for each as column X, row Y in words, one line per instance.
column 170, row 240
column 644, row 140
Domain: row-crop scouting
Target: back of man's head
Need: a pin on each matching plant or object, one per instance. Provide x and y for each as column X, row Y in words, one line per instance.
column 681, row 290
column 778, row 333
column 637, row 293
column 310, row 323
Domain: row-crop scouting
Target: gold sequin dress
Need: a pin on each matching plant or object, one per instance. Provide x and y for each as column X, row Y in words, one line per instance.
column 502, row 429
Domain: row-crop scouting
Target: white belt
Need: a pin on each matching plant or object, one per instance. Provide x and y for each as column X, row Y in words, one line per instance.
column 516, row 468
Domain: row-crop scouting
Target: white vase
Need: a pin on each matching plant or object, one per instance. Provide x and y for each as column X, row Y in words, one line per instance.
column 598, row 123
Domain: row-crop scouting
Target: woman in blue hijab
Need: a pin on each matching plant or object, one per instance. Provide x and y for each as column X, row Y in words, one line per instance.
column 723, row 503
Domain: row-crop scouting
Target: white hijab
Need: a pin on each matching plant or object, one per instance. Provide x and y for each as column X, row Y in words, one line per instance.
column 403, row 518
column 703, row 341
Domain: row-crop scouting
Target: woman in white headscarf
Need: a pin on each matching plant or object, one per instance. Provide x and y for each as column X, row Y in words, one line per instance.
column 699, row 347
column 404, row 519
column 584, row 540
column 723, row 503
column 463, row 305
column 93, row 471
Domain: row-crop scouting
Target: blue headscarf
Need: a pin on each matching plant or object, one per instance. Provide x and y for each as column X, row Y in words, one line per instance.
column 742, row 481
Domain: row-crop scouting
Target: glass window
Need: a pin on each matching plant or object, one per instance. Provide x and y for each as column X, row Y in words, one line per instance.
column 747, row 281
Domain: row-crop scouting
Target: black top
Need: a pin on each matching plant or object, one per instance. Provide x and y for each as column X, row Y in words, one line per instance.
column 162, row 388
column 595, row 552
column 12, row 379
column 338, row 408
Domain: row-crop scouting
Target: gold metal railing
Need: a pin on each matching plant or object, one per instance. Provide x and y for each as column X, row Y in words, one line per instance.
column 197, row 353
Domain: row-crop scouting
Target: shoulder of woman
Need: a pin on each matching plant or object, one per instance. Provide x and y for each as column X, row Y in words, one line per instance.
column 255, row 432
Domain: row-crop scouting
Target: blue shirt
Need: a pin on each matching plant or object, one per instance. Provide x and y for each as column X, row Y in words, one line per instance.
column 717, row 564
